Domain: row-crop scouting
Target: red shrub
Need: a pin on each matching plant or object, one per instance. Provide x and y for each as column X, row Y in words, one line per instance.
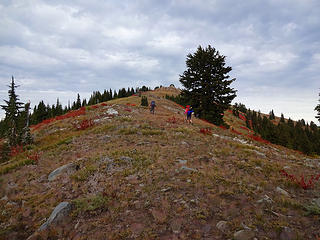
column 236, row 132
column 35, row 157
column 84, row 124
column 16, row 150
column 245, row 128
column 128, row 109
column 206, row 131
column 223, row 127
column 94, row 106
column 258, row 139
column 301, row 182
column 242, row 117
column 104, row 104
column 172, row 120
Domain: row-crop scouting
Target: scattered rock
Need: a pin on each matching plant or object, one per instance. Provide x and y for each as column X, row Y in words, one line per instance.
column 5, row 198
column 166, row 189
column 65, row 168
column 244, row 235
column 105, row 138
column 184, row 143
column 286, row 167
column 222, row 226
column 266, row 199
column 58, row 214
column 287, row 234
column 283, row 192
column 182, row 161
column 184, row 168
column 112, row 111
column 258, row 168
column 316, row 201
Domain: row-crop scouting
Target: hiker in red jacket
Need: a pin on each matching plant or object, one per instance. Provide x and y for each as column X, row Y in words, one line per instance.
column 186, row 112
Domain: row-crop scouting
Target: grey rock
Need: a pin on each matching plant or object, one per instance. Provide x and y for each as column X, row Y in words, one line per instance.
column 283, row 192
column 58, row 214
column 316, row 201
column 65, row 168
column 258, row 168
column 182, row 161
column 244, row 235
column 184, row 168
column 287, row 234
column 222, row 226
column 266, row 199
column 5, row 198
column 112, row 111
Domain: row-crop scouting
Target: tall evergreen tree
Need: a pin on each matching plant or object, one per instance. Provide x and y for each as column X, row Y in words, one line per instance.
column 317, row 108
column 12, row 110
column 207, row 84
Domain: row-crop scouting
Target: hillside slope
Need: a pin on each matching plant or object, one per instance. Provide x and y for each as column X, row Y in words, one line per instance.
column 129, row 174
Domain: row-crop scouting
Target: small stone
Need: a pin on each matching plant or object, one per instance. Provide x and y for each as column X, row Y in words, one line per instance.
column 258, row 168
column 283, row 192
column 184, row 168
column 222, row 226
column 182, row 161
column 112, row 111
column 166, row 189
column 5, row 198
column 189, row 180
column 65, row 168
column 244, row 235
column 266, row 199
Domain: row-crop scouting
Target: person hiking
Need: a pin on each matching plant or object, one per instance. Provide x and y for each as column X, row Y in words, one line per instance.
column 189, row 114
column 186, row 111
column 152, row 106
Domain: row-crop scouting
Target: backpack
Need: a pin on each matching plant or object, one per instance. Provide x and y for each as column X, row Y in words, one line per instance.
column 153, row 104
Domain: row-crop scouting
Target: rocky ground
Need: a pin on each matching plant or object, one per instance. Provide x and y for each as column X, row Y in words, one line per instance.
column 130, row 174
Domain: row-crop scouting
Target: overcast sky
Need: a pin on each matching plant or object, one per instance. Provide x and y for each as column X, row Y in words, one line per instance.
column 61, row 48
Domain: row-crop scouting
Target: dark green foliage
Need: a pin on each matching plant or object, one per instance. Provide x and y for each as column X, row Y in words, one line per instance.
column 271, row 115
column 207, row 84
column 317, row 108
column 298, row 136
column 12, row 111
column 144, row 101
column 4, row 152
column 181, row 100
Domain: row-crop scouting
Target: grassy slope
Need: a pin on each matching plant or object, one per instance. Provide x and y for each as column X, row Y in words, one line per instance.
column 150, row 196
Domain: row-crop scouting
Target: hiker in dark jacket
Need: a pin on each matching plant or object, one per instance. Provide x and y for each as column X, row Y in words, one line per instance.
column 152, row 106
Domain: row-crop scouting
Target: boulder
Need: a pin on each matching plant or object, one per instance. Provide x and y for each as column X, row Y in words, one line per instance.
column 65, row 168
column 222, row 226
column 283, row 192
column 59, row 213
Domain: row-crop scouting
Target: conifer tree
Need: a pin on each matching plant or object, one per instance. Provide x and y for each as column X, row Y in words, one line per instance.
column 78, row 103
column 207, row 84
column 12, row 110
column 317, row 108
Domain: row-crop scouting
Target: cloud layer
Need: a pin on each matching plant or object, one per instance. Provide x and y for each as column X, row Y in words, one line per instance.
column 59, row 48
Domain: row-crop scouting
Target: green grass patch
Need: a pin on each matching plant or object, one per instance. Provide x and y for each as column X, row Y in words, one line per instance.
column 84, row 173
column 312, row 209
column 89, row 204
column 128, row 131
column 15, row 165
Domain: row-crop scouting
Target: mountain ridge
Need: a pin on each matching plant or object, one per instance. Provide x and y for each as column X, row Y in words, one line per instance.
column 135, row 175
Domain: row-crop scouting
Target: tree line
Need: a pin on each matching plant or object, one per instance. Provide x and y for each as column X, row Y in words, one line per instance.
column 297, row 135
column 15, row 127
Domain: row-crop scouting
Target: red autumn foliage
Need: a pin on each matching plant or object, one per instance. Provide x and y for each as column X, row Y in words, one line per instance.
column 16, row 150
column 104, row 104
column 229, row 110
column 245, row 128
column 84, row 124
column 258, row 139
column 131, row 104
column 71, row 114
column 242, row 117
column 206, row 131
column 223, row 127
column 236, row 132
column 94, row 106
column 172, row 120
column 35, row 157
column 302, row 183
column 128, row 109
